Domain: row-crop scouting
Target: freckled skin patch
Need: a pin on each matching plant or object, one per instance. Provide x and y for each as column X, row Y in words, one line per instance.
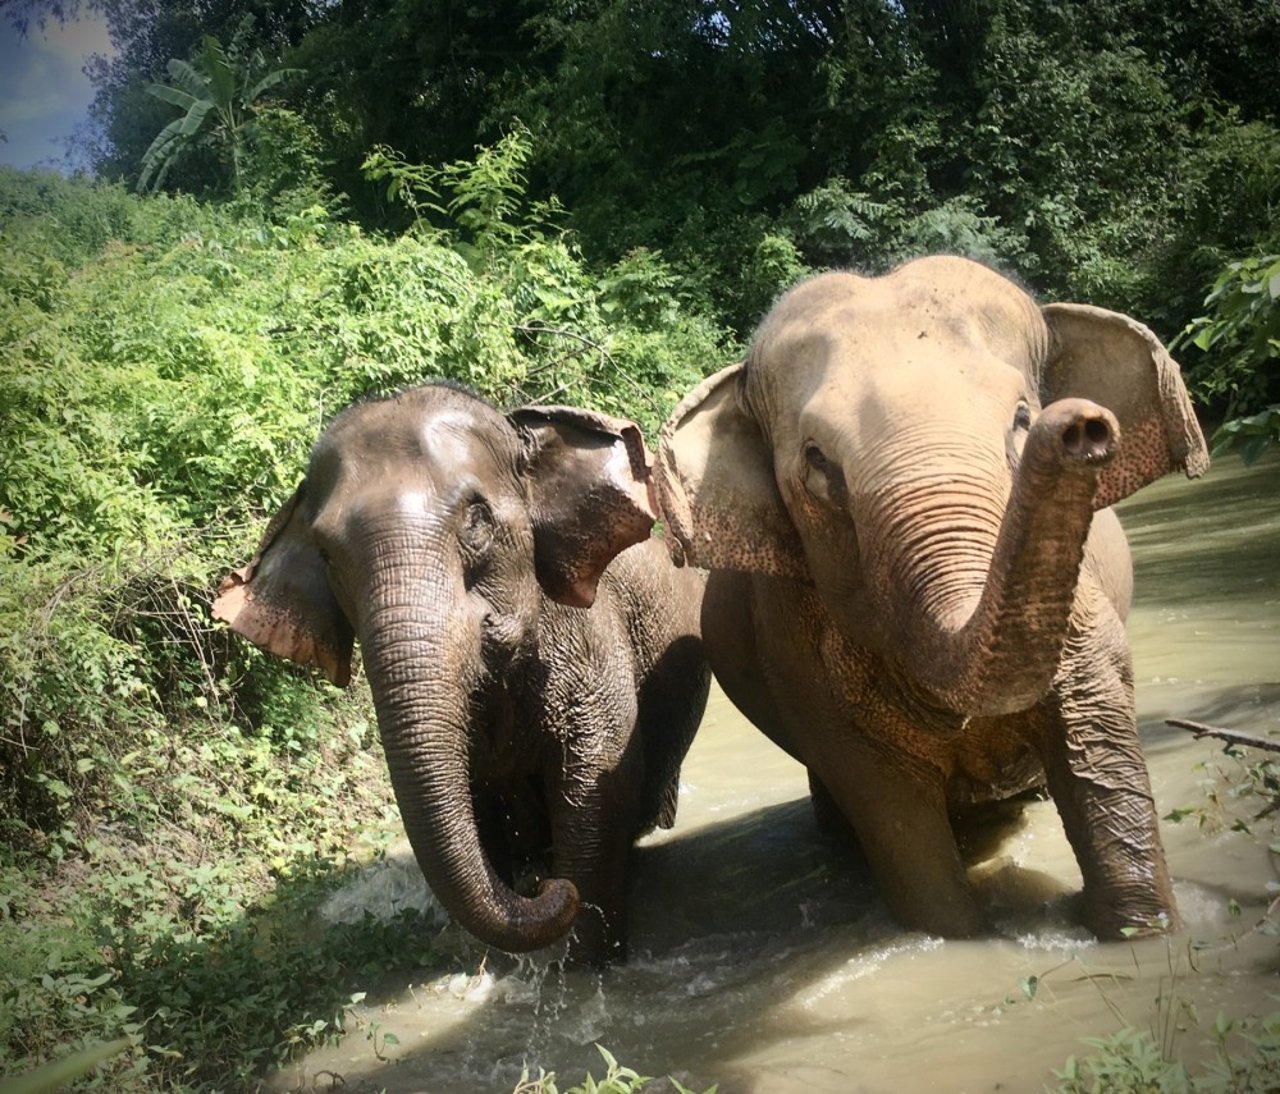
column 929, row 614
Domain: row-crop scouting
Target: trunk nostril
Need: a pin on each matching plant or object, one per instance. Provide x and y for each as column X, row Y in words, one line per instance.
column 1087, row 439
column 1095, row 430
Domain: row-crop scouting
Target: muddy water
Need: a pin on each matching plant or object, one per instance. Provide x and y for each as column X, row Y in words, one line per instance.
column 762, row 957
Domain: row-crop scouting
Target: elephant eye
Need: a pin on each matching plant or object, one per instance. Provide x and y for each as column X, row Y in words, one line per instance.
column 477, row 526
column 1017, row 438
column 822, row 477
column 814, row 457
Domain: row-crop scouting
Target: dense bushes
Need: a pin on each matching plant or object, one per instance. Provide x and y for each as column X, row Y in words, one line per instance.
column 160, row 396
column 1115, row 153
column 165, row 366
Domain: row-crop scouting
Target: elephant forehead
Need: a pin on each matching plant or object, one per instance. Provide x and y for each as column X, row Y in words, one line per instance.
column 396, row 439
column 927, row 307
column 896, row 390
column 867, row 338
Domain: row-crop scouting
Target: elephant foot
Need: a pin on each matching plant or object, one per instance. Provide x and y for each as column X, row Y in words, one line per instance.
column 1110, row 922
column 957, row 917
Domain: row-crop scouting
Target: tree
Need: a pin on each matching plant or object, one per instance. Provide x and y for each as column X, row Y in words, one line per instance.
column 218, row 84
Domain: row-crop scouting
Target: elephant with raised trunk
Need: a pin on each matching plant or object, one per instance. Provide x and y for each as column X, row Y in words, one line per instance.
column 918, row 589
column 533, row 654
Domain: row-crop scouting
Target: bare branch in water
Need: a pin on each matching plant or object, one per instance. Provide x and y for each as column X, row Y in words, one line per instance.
column 1245, row 740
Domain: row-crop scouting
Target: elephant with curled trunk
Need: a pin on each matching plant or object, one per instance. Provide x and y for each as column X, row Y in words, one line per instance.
column 528, row 698
column 918, row 589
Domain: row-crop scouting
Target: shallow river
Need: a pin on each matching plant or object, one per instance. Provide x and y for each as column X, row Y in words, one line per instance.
column 763, row 959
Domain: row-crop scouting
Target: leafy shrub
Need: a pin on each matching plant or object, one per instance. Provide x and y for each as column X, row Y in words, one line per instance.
column 164, row 369
column 1240, row 338
column 1246, row 1060
column 617, row 1079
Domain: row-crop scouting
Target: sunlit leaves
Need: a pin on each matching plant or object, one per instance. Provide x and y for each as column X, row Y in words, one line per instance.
column 1241, row 335
column 160, row 391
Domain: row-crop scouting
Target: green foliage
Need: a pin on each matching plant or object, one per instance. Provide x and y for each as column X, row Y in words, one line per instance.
column 1241, row 340
column 1246, row 1060
column 216, row 91
column 622, row 340
column 1064, row 120
column 832, row 222
column 210, row 978
column 1239, row 788
column 49, row 219
column 284, row 174
column 57, row 1075
column 486, row 199
column 165, row 363
column 1128, row 1062
column 1118, row 154
column 174, row 801
column 617, row 1079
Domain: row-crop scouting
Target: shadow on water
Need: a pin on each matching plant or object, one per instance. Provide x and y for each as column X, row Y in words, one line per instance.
column 733, row 911
column 1247, row 708
column 735, row 924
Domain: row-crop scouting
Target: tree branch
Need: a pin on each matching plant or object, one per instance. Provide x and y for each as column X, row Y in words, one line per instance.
column 1229, row 735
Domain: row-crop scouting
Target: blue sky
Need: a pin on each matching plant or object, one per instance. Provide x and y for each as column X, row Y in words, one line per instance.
column 43, row 93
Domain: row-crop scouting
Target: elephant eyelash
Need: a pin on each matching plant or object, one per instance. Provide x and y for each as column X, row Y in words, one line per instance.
column 1018, row 435
column 815, row 458
column 827, row 482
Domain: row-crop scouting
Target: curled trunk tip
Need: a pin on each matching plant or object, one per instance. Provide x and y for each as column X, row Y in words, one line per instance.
column 530, row 923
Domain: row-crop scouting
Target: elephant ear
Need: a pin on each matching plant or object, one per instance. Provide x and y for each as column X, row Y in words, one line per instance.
column 281, row 600
column 720, row 500
column 1118, row 363
column 591, row 495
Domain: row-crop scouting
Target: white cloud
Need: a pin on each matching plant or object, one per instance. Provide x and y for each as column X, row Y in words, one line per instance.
column 75, row 41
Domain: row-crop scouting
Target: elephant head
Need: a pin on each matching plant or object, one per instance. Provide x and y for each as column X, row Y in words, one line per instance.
column 927, row 449
column 428, row 526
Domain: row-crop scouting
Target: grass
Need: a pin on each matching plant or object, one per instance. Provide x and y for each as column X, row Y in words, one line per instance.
column 617, row 1079
column 196, row 936
column 175, row 805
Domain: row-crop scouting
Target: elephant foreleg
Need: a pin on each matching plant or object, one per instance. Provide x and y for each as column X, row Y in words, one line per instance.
column 898, row 810
column 596, row 803
column 592, row 849
column 741, row 644
column 1098, row 779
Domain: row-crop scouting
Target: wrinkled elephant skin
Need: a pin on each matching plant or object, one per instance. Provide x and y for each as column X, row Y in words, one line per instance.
column 533, row 654
column 917, row 587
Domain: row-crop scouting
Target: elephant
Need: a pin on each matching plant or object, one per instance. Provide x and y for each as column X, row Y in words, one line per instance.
column 917, row 585
column 533, row 654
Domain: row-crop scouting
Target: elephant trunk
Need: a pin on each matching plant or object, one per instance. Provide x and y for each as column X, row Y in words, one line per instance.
column 989, row 642
column 421, row 648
